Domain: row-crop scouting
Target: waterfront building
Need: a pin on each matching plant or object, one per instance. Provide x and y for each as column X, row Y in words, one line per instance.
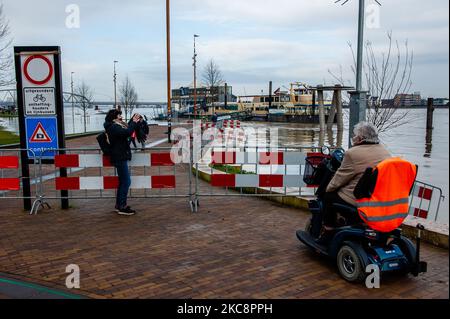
column 206, row 96
column 407, row 100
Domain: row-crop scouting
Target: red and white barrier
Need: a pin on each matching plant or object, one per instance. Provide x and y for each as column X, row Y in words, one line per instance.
column 253, row 180
column 231, row 124
column 273, row 169
column 260, row 158
column 112, row 182
column 9, row 184
column 98, row 160
column 421, row 198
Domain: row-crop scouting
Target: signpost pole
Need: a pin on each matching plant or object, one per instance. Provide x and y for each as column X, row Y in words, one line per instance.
column 60, row 122
column 26, row 189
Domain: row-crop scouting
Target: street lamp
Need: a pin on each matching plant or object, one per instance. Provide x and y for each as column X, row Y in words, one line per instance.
column 195, row 75
column 169, row 98
column 73, row 107
column 115, row 85
column 358, row 98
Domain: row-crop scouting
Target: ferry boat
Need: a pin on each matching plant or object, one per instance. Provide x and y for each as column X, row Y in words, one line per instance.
column 299, row 104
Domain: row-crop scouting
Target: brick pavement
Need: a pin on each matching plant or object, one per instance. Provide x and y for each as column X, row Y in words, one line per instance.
column 233, row 248
column 240, row 248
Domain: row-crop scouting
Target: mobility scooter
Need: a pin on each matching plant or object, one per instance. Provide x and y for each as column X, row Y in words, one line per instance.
column 353, row 244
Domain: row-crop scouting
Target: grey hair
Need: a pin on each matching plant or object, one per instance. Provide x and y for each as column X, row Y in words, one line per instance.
column 367, row 132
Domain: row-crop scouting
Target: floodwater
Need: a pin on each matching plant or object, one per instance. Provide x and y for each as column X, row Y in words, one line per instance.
column 94, row 120
column 430, row 153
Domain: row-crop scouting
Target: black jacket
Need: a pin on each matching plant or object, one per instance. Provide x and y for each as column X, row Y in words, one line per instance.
column 119, row 139
column 142, row 130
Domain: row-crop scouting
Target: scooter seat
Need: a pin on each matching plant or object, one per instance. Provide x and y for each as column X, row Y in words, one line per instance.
column 346, row 209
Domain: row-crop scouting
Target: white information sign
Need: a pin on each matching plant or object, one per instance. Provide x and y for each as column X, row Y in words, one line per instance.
column 39, row 101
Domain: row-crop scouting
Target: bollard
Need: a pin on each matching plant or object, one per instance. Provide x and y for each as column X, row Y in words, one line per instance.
column 430, row 113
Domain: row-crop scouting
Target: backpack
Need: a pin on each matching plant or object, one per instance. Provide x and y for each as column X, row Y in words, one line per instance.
column 103, row 142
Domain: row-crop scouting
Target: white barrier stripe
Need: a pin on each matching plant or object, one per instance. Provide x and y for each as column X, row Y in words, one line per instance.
column 247, row 180
column 140, row 160
column 90, row 160
column 294, row 158
column 91, row 183
column 279, row 170
column 293, row 181
column 251, row 158
column 141, row 182
column 416, row 191
column 240, row 158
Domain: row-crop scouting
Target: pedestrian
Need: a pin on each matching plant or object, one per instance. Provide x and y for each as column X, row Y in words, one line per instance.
column 214, row 118
column 141, row 132
column 119, row 134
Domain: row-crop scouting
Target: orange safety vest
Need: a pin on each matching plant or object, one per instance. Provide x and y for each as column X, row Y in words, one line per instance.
column 388, row 206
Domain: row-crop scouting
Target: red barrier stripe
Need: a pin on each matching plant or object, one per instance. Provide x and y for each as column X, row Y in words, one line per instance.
column 223, row 157
column 163, row 181
column 9, row 184
column 110, row 182
column 67, row 161
column 161, row 159
column 67, row 183
column 420, row 213
column 107, row 161
column 223, row 180
column 270, row 180
column 271, row 158
column 425, row 193
column 9, row 162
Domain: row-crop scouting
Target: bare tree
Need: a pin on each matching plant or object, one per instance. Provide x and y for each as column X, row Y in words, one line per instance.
column 86, row 96
column 128, row 97
column 212, row 77
column 5, row 57
column 387, row 74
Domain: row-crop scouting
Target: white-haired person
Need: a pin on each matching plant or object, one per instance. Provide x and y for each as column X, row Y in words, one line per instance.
column 366, row 152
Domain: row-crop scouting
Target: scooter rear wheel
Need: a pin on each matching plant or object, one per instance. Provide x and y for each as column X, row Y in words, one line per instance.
column 350, row 265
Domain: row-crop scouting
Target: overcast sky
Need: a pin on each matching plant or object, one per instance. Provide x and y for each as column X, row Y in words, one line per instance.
column 253, row 41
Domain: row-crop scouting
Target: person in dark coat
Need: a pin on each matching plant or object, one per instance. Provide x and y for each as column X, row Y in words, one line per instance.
column 119, row 134
column 214, row 118
column 141, row 132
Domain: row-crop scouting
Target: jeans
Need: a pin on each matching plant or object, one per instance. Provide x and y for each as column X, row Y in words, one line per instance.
column 124, row 183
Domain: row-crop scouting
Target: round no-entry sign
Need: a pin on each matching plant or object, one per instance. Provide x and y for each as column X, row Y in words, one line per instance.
column 38, row 69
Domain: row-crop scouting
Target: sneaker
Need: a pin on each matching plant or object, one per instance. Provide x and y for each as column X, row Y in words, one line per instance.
column 127, row 211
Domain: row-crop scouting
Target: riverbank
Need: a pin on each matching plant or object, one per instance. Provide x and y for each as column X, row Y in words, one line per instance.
column 7, row 138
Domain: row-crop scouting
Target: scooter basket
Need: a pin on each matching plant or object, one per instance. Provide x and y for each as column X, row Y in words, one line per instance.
column 312, row 176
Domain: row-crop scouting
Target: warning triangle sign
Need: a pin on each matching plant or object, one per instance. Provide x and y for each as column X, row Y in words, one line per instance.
column 40, row 135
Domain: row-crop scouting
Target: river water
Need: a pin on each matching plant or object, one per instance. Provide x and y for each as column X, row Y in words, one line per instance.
column 408, row 141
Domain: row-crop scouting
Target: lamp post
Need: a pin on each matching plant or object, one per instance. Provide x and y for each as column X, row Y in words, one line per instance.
column 169, row 99
column 358, row 98
column 115, row 85
column 195, row 76
column 73, row 107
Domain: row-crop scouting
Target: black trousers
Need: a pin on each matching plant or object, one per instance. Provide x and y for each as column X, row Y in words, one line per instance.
column 329, row 214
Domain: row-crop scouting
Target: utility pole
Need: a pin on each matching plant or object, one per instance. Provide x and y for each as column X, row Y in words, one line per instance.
column 195, row 76
column 73, row 106
column 226, row 96
column 358, row 98
column 115, row 85
column 169, row 99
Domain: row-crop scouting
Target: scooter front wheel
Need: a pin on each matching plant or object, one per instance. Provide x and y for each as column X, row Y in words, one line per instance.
column 350, row 265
